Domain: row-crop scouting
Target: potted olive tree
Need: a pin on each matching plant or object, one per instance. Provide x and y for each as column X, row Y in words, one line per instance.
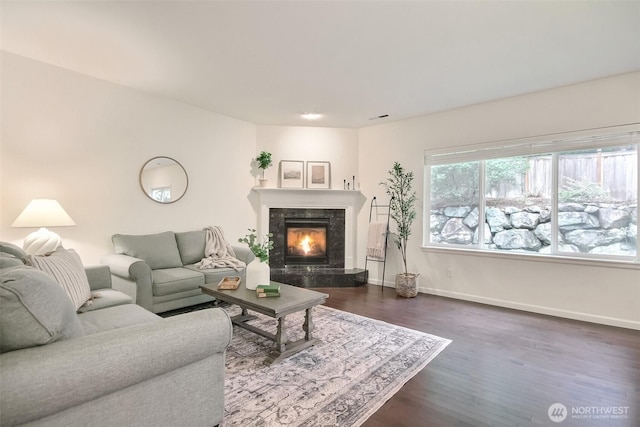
column 264, row 161
column 399, row 186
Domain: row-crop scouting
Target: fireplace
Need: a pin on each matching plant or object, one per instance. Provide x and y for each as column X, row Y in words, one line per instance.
column 306, row 241
column 333, row 210
column 307, row 237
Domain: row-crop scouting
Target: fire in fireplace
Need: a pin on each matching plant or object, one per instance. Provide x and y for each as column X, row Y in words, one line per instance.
column 306, row 241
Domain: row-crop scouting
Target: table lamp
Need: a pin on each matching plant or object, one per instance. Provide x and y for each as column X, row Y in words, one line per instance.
column 42, row 213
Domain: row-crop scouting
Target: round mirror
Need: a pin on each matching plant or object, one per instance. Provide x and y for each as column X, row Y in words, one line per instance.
column 163, row 180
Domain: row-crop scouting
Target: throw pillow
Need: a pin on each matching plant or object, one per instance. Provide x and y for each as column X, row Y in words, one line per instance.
column 35, row 310
column 158, row 250
column 65, row 267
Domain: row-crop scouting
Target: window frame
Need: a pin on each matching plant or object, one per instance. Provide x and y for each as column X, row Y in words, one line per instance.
column 553, row 145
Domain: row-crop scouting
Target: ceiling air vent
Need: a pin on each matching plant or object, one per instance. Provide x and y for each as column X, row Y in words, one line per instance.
column 379, row 117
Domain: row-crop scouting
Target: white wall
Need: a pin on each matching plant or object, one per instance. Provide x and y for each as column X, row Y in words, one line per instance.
column 336, row 145
column 595, row 293
column 83, row 141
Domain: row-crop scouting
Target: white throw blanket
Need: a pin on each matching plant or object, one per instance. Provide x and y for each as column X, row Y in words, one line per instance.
column 218, row 253
column 376, row 240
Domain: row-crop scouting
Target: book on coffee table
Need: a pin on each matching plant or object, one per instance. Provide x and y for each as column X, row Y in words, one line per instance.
column 268, row 294
column 273, row 287
column 267, row 291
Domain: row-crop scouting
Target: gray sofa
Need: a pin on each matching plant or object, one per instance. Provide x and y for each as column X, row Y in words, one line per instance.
column 114, row 364
column 159, row 272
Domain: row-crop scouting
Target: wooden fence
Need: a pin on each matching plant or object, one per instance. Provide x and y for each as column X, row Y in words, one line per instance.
column 615, row 172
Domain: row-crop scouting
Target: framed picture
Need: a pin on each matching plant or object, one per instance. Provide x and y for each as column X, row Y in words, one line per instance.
column 318, row 175
column 291, row 174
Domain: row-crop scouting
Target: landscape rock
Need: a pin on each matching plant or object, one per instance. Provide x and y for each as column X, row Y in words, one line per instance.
column 543, row 232
column 487, row 235
column 597, row 228
column 545, row 215
column 509, row 210
column 457, row 211
column 497, row 220
column 472, row 219
column 614, row 218
column 436, row 222
column 619, row 248
column 589, row 239
column 568, row 221
column 525, row 220
column 454, row 231
column 561, row 248
column 570, row 207
column 517, row 239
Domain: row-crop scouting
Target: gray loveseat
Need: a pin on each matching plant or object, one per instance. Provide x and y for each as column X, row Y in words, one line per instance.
column 114, row 364
column 159, row 272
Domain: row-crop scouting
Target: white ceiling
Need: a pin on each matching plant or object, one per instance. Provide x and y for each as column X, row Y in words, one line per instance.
column 268, row 61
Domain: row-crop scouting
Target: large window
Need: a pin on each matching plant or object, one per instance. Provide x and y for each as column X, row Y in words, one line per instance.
column 573, row 196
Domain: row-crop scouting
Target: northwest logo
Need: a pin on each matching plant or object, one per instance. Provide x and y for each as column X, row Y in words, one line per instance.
column 557, row 412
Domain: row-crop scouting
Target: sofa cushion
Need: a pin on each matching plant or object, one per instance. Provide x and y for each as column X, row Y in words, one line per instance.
column 214, row 275
column 16, row 251
column 65, row 267
column 158, row 250
column 35, row 310
column 7, row 260
column 191, row 245
column 103, row 298
column 115, row 317
column 173, row 280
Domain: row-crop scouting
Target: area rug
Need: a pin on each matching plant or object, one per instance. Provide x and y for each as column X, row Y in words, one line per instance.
column 357, row 367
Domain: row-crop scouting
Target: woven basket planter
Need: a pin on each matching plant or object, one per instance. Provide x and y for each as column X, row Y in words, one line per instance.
column 406, row 285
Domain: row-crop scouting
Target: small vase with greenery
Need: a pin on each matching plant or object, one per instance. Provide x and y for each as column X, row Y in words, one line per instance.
column 260, row 250
column 264, row 161
column 399, row 186
column 257, row 271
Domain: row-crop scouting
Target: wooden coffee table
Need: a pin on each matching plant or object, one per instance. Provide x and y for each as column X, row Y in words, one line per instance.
column 292, row 299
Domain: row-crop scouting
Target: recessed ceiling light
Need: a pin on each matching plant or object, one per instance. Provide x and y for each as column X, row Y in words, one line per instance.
column 311, row 116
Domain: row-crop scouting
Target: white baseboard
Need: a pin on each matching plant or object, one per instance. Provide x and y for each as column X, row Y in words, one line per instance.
column 575, row 315
column 386, row 283
column 585, row 317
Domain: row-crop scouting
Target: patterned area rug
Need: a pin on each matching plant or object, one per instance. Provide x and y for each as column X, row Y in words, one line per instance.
column 359, row 365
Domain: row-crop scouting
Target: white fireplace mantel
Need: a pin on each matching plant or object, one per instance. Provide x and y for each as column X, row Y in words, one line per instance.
column 303, row 198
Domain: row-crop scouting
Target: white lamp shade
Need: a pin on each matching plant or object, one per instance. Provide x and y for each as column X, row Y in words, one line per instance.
column 42, row 213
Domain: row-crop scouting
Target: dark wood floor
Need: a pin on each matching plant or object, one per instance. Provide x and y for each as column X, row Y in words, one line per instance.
column 504, row 367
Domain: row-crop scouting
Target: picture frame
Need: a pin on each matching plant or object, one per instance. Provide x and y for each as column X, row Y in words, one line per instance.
column 318, row 175
column 291, row 174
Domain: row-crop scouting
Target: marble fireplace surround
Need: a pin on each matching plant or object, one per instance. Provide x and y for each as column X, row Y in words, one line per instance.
column 303, row 198
column 332, row 218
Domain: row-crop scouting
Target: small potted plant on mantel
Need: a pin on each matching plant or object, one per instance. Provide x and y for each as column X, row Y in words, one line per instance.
column 264, row 161
column 399, row 186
